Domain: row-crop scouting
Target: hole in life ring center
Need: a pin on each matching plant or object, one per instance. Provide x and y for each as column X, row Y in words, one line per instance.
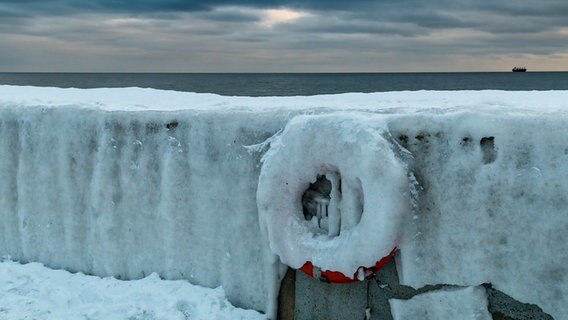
column 320, row 204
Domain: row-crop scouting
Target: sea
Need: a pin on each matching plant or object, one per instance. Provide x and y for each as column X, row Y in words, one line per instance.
column 295, row 84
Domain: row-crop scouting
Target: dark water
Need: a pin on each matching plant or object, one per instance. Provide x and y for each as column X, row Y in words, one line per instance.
column 290, row 84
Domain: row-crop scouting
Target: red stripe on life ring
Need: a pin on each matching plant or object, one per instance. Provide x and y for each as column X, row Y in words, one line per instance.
column 338, row 277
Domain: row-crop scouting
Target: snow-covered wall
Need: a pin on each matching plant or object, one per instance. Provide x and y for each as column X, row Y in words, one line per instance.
column 492, row 204
column 119, row 193
column 126, row 182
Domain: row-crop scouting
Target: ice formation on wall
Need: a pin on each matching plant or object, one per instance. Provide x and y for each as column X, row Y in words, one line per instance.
column 492, row 204
column 107, row 182
column 126, row 194
column 463, row 303
column 368, row 209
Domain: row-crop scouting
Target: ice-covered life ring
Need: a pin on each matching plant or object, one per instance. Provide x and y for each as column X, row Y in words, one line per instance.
column 364, row 207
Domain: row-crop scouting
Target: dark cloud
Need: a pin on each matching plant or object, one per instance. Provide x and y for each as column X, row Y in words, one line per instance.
column 487, row 15
column 433, row 20
column 64, row 6
column 229, row 16
column 526, row 8
column 338, row 26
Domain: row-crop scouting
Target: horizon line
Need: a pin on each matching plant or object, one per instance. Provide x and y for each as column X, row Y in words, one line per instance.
column 277, row 72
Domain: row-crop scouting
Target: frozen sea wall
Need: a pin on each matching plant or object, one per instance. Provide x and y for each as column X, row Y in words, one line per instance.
column 126, row 182
column 125, row 194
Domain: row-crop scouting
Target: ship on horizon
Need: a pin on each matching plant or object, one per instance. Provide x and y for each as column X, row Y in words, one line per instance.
column 519, row 69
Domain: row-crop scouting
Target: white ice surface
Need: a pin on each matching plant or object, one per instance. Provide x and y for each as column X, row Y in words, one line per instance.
column 32, row 291
column 89, row 185
column 144, row 99
column 445, row 304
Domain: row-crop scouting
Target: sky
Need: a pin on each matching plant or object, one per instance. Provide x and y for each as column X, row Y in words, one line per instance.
column 282, row 35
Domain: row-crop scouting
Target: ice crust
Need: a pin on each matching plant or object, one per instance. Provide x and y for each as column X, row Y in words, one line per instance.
column 126, row 182
column 119, row 194
column 32, row 291
column 445, row 304
column 492, row 204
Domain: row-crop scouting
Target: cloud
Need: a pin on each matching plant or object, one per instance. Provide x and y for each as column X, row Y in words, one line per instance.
column 272, row 17
column 276, row 35
column 230, row 15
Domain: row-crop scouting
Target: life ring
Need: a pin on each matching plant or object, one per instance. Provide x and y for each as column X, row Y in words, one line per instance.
column 373, row 202
column 337, row 277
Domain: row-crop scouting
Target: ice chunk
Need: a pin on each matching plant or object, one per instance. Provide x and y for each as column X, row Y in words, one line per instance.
column 446, row 304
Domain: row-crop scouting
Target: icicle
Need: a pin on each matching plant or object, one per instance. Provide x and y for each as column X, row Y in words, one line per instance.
column 334, row 220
